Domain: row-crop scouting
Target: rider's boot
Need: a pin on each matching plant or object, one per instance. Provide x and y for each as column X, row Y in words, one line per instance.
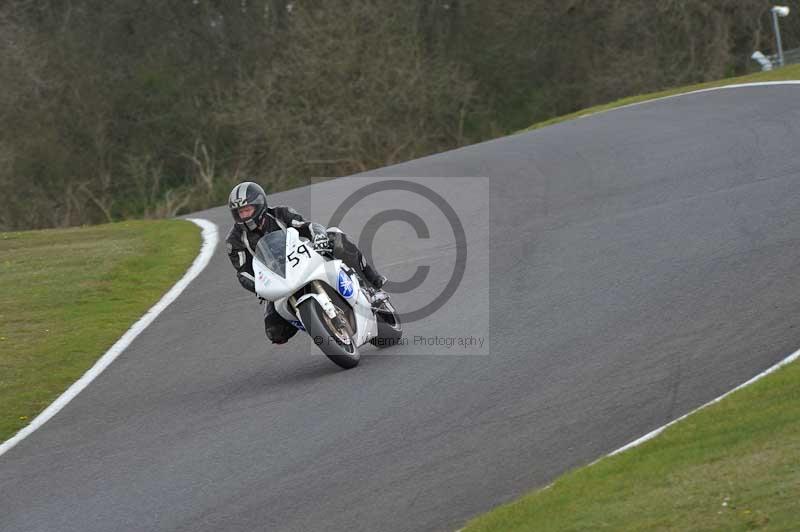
column 373, row 277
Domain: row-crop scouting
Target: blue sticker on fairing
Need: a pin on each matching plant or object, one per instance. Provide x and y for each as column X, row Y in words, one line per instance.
column 345, row 285
column 297, row 324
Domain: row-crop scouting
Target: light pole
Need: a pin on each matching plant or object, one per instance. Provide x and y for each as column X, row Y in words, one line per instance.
column 778, row 11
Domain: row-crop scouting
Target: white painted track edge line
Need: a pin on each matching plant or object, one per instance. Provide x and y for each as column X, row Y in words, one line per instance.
column 671, row 96
column 209, row 235
column 652, row 434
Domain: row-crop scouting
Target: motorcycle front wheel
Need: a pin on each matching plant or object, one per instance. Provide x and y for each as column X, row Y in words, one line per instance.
column 332, row 336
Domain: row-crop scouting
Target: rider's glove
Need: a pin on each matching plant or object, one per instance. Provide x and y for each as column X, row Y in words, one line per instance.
column 322, row 243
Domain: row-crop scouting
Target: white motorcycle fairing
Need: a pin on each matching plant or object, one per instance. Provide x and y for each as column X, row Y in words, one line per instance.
column 282, row 273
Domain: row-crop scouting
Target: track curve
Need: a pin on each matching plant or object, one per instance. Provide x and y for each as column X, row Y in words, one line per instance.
column 640, row 263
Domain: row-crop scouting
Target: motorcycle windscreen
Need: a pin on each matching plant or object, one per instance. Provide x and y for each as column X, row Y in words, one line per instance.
column 271, row 252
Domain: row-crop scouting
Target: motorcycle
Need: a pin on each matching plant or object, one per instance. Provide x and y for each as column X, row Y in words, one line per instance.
column 323, row 297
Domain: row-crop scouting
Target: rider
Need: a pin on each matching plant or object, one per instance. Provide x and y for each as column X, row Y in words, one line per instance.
column 254, row 218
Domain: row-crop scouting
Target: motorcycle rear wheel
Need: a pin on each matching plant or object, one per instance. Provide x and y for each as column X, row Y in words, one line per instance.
column 390, row 329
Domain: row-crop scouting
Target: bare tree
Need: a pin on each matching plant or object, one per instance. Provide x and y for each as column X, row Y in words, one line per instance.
column 328, row 104
column 115, row 109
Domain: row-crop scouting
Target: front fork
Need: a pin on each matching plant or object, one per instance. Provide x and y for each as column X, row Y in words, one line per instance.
column 322, row 298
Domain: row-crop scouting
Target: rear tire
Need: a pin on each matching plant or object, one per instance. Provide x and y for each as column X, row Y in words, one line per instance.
column 316, row 322
column 390, row 330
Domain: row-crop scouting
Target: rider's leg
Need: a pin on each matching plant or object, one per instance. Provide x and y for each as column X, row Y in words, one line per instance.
column 347, row 252
column 278, row 329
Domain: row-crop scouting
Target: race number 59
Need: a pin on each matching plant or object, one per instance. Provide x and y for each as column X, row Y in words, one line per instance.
column 294, row 259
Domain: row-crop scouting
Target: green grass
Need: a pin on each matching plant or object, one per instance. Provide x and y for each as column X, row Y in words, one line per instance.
column 732, row 466
column 782, row 74
column 67, row 295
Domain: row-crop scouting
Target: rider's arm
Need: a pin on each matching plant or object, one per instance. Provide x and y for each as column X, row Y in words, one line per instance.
column 315, row 232
column 241, row 259
column 289, row 217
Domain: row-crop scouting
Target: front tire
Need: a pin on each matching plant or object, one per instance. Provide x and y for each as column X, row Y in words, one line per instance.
column 337, row 344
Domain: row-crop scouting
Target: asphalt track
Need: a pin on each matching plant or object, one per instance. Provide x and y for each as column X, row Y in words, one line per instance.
column 637, row 264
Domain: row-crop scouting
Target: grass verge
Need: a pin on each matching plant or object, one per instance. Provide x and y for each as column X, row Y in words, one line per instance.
column 732, row 466
column 782, row 74
column 67, row 295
